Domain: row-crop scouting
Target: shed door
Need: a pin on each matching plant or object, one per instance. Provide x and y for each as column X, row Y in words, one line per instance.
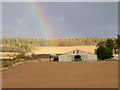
column 82, row 58
column 73, row 58
column 78, row 58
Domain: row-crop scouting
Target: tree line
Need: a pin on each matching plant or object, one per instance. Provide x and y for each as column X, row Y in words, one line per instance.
column 23, row 45
column 54, row 42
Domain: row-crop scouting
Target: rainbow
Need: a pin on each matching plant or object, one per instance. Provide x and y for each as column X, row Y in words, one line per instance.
column 39, row 13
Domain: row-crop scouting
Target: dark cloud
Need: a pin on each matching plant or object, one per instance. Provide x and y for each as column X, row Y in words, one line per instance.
column 69, row 19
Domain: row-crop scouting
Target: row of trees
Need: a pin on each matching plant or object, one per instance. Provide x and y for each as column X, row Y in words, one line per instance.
column 106, row 49
column 54, row 42
column 19, row 48
column 22, row 57
column 23, row 45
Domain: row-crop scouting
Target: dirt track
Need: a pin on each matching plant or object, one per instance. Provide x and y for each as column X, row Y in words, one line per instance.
column 62, row 75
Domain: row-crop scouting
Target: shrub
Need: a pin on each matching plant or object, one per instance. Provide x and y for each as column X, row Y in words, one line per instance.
column 11, row 48
column 22, row 56
column 9, row 63
column 104, row 53
column 34, row 56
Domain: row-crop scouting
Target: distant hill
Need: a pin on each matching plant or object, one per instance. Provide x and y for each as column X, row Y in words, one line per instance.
column 54, row 42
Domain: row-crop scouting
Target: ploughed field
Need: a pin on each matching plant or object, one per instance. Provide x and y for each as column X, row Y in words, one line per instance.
column 62, row 75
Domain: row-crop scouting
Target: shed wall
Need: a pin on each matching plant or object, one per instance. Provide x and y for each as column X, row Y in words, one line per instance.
column 87, row 56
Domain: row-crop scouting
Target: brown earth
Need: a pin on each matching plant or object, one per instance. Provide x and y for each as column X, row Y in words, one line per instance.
column 62, row 75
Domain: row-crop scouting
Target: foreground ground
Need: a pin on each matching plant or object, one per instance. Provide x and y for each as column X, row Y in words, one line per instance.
column 62, row 75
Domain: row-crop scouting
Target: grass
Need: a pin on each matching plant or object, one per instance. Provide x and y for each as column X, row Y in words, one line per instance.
column 30, row 61
column 12, row 64
column 53, row 50
column 18, row 63
column 64, row 49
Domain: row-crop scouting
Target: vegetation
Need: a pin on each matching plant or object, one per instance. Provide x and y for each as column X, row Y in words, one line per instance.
column 25, row 45
column 21, row 48
column 118, row 42
column 54, row 42
column 9, row 63
column 13, row 63
column 11, row 48
column 104, row 53
column 110, row 44
column 106, row 49
column 34, row 56
column 20, row 58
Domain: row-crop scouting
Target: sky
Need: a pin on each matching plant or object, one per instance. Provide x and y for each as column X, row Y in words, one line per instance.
column 51, row 20
column 0, row 19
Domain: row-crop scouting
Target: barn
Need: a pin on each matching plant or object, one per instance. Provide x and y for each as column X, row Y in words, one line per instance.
column 77, row 55
column 47, row 57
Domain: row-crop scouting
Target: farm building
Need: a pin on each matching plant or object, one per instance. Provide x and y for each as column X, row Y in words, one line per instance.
column 77, row 55
column 47, row 57
column 44, row 57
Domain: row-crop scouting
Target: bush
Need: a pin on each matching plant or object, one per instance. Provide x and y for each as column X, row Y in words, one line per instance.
column 34, row 56
column 22, row 56
column 9, row 63
column 16, row 48
column 11, row 48
column 104, row 53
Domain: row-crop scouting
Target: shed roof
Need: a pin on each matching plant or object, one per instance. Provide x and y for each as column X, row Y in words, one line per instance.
column 46, row 56
column 43, row 56
column 79, row 50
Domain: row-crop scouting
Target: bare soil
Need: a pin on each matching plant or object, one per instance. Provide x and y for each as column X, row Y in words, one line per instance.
column 62, row 75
